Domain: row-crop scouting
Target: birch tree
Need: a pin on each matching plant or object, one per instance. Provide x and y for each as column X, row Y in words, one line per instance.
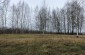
column 43, row 18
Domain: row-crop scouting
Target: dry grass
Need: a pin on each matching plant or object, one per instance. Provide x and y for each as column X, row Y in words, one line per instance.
column 10, row 44
column 37, row 37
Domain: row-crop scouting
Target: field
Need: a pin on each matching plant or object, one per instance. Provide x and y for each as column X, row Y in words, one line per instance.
column 36, row 44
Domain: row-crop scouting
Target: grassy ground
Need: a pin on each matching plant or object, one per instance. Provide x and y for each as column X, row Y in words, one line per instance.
column 35, row 44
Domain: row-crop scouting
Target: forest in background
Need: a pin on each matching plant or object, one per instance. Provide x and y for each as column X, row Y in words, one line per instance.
column 21, row 19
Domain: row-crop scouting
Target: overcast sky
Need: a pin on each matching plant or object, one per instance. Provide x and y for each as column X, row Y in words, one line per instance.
column 53, row 4
column 50, row 3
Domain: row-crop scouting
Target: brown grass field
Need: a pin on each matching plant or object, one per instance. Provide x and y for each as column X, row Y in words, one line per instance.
column 36, row 44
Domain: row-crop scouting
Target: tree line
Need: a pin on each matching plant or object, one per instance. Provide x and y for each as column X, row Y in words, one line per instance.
column 19, row 18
